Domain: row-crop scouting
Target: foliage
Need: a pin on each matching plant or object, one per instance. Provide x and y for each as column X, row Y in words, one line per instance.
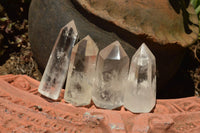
column 196, row 4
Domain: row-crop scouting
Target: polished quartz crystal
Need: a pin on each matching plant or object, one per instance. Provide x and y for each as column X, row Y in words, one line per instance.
column 111, row 72
column 58, row 63
column 80, row 79
column 140, row 94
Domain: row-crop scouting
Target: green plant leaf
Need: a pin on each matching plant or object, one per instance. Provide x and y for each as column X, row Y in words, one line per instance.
column 197, row 9
column 3, row 19
column 195, row 3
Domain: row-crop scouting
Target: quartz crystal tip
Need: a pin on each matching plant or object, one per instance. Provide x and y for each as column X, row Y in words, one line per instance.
column 114, row 51
column 66, row 32
column 71, row 25
column 57, row 66
column 144, row 50
column 91, row 48
column 140, row 93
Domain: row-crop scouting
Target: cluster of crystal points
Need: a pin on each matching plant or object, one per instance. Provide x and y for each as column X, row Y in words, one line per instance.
column 103, row 77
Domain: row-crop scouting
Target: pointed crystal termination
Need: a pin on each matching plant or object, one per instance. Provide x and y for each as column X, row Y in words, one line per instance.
column 58, row 63
column 111, row 72
column 140, row 94
column 80, row 79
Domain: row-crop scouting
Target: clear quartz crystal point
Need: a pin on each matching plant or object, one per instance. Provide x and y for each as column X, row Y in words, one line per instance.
column 140, row 94
column 111, row 72
column 80, row 79
column 58, row 63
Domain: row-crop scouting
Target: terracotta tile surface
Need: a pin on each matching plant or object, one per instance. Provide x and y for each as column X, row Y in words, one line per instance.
column 23, row 109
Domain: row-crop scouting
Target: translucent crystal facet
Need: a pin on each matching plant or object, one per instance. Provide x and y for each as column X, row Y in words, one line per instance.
column 140, row 94
column 111, row 72
column 80, row 79
column 58, row 63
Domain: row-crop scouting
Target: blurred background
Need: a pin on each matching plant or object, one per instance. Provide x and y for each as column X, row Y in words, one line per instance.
column 16, row 56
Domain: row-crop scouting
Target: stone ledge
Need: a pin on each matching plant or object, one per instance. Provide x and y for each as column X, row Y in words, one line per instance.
column 24, row 109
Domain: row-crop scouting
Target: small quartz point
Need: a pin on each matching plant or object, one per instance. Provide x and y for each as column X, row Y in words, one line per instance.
column 58, row 63
column 140, row 94
column 80, row 79
column 111, row 72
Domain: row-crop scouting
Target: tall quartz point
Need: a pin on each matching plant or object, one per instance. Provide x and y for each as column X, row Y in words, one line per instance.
column 140, row 95
column 111, row 72
column 58, row 63
column 80, row 79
